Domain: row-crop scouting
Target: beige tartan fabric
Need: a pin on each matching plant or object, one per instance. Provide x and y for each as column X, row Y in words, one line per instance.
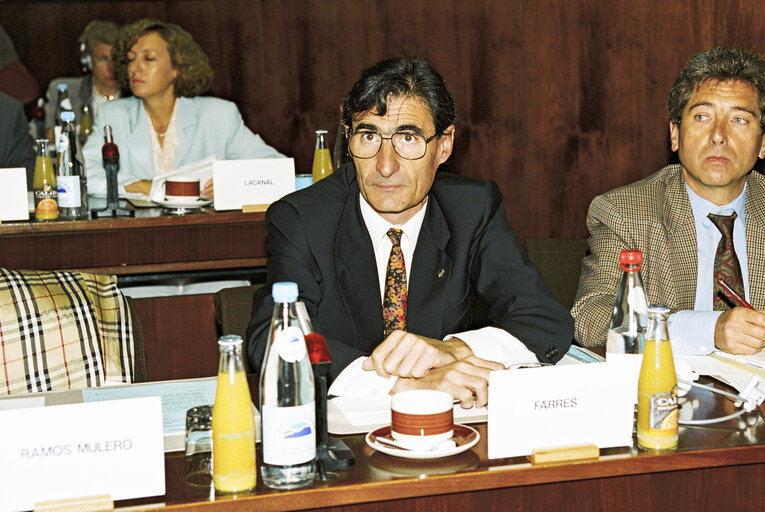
column 62, row 330
column 654, row 215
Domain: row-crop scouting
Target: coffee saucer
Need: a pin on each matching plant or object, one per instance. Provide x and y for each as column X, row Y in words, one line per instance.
column 189, row 203
column 464, row 438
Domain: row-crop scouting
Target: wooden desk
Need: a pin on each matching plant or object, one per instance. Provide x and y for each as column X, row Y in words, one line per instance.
column 150, row 243
column 716, row 468
column 180, row 331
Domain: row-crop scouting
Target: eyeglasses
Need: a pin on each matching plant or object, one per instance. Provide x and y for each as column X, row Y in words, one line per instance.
column 408, row 145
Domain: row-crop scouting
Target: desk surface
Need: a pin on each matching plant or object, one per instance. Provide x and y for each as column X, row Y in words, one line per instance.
column 714, row 468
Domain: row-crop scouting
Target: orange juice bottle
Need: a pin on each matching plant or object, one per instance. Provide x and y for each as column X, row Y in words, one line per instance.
column 44, row 184
column 322, row 160
column 657, row 387
column 233, row 423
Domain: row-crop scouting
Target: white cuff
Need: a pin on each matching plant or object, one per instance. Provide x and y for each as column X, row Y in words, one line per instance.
column 495, row 344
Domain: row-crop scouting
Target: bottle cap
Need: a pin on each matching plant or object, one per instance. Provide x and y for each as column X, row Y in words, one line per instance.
column 319, row 132
column 230, row 340
column 631, row 258
column 62, row 87
column 658, row 309
column 285, row 291
column 67, row 116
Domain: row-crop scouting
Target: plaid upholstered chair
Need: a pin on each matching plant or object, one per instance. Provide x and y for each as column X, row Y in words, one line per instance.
column 66, row 330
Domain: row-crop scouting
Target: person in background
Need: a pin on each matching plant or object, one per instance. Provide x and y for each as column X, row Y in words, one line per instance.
column 16, row 145
column 166, row 124
column 15, row 79
column 390, row 255
column 99, row 84
column 716, row 122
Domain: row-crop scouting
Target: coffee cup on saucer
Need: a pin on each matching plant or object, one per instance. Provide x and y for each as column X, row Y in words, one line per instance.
column 422, row 418
column 182, row 189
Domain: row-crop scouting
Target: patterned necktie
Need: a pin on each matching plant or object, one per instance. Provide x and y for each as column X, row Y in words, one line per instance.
column 726, row 262
column 394, row 299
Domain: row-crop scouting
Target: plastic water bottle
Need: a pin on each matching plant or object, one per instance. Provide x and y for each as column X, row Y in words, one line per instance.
column 287, row 407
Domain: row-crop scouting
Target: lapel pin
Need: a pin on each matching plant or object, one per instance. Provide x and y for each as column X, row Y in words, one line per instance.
column 441, row 273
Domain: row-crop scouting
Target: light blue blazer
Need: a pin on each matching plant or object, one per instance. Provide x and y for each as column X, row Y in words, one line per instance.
column 206, row 127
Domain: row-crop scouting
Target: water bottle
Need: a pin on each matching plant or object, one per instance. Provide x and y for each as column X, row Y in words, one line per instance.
column 287, row 407
column 626, row 331
column 63, row 104
column 71, row 180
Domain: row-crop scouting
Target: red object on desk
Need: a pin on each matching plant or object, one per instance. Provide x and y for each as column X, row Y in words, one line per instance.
column 318, row 351
column 732, row 295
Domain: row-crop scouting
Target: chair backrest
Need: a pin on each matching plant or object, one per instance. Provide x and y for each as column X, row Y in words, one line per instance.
column 560, row 262
column 64, row 330
column 233, row 310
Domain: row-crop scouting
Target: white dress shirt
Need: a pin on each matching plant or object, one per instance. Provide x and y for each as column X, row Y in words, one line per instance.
column 692, row 332
column 489, row 343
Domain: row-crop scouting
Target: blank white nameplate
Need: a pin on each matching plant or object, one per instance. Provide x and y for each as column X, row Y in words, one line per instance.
column 558, row 406
column 65, row 451
column 250, row 182
column 13, row 194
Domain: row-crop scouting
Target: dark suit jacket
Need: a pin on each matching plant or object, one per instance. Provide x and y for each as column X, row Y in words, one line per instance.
column 16, row 145
column 654, row 215
column 465, row 248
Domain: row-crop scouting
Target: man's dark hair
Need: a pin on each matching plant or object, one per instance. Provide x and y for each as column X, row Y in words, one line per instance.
column 400, row 77
column 717, row 64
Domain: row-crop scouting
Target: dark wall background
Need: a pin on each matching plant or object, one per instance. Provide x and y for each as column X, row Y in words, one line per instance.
column 558, row 100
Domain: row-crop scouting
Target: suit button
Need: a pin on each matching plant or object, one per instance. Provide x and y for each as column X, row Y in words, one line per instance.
column 552, row 352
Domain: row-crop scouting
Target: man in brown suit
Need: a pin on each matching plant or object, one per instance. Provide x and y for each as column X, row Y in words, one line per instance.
column 717, row 125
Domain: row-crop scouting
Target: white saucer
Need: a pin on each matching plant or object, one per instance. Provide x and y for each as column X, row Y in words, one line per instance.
column 192, row 203
column 464, row 437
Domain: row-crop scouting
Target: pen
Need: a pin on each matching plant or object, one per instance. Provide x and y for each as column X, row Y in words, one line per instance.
column 732, row 295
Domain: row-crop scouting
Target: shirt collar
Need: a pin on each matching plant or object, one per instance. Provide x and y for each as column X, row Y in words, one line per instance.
column 701, row 207
column 378, row 227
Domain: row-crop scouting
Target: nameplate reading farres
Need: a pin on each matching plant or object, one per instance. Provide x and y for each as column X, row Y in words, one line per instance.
column 557, row 406
column 112, row 448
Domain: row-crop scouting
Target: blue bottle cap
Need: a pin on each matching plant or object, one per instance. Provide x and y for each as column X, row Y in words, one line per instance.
column 67, row 115
column 62, row 87
column 285, row 291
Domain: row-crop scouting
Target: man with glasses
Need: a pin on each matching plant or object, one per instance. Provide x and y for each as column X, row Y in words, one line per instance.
column 390, row 255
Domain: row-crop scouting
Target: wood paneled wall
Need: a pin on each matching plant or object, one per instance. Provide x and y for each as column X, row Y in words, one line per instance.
column 558, row 100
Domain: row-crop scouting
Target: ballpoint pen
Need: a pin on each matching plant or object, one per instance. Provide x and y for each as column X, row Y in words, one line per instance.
column 732, row 295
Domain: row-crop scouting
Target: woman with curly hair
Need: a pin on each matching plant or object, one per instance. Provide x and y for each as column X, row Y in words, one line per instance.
column 166, row 124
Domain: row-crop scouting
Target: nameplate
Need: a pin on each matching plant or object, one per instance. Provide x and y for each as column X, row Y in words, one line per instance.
column 13, row 194
column 67, row 451
column 557, row 406
column 258, row 181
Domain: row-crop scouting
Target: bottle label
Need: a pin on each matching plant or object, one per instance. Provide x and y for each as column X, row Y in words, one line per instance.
column 289, row 434
column 68, row 191
column 663, row 417
column 46, row 206
column 290, row 344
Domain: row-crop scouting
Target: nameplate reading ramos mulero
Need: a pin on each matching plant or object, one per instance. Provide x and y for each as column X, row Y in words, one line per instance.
column 555, row 406
column 110, row 448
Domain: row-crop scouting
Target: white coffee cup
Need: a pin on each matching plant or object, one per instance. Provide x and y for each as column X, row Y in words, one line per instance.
column 182, row 188
column 422, row 418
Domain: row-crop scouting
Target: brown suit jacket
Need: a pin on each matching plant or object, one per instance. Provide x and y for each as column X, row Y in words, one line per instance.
column 654, row 215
